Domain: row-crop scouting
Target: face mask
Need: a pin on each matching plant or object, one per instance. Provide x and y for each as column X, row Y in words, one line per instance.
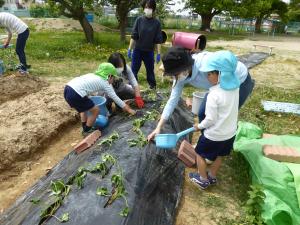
column 120, row 70
column 148, row 12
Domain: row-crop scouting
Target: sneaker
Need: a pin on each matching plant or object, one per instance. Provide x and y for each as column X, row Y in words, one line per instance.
column 152, row 87
column 23, row 72
column 212, row 180
column 86, row 133
column 195, row 178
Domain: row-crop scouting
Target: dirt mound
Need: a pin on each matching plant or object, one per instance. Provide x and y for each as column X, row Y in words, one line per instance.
column 59, row 24
column 30, row 122
column 15, row 86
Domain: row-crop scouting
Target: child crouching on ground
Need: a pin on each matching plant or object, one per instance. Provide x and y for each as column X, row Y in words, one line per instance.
column 78, row 89
column 221, row 114
column 126, row 87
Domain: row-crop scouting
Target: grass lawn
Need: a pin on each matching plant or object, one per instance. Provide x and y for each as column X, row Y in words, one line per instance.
column 63, row 55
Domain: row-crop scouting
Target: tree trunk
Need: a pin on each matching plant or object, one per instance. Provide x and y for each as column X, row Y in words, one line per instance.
column 121, row 11
column 206, row 20
column 123, row 25
column 258, row 25
column 88, row 29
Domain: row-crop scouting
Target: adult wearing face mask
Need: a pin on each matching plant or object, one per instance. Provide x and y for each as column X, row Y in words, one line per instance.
column 146, row 34
column 185, row 69
column 126, row 86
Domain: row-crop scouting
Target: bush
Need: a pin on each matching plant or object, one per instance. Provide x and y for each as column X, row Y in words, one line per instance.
column 38, row 11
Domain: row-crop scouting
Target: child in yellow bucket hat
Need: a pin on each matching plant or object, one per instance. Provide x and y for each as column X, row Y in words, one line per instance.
column 77, row 90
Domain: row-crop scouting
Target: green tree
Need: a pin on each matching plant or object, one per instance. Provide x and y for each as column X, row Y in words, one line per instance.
column 207, row 9
column 122, row 9
column 2, row 2
column 294, row 10
column 262, row 9
column 77, row 10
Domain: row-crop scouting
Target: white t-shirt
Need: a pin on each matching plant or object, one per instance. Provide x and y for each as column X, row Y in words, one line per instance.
column 12, row 23
column 90, row 83
column 221, row 114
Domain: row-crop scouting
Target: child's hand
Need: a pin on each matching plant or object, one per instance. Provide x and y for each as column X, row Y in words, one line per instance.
column 5, row 44
column 196, row 127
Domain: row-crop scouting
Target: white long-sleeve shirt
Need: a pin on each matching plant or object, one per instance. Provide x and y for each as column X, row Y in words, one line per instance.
column 130, row 77
column 198, row 80
column 12, row 23
column 221, row 114
column 90, row 83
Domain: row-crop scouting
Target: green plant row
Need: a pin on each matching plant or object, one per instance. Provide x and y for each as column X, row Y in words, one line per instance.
column 60, row 189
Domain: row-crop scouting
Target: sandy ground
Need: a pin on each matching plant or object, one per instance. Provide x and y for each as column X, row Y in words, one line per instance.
column 28, row 122
column 281, row 69
column 34, row 116
column 11, row 87
column 60, row 24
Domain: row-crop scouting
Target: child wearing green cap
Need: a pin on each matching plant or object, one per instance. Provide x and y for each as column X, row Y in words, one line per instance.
column 77, row 90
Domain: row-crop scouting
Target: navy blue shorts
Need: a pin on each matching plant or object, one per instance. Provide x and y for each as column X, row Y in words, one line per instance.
column 209, row 149
column 81, row 104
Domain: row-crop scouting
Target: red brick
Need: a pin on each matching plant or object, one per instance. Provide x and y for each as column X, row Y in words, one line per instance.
column 265, row 135
column 87, row 141
column 281, row 153
column 187, row 154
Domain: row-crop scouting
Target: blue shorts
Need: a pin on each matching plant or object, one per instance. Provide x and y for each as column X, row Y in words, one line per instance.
column 81, row 104
column 209, row 149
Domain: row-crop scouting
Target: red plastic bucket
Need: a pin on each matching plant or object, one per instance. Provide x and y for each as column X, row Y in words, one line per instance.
column 189, row 40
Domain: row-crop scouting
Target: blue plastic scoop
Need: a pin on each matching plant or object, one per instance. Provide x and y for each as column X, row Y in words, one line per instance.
column 169, row 140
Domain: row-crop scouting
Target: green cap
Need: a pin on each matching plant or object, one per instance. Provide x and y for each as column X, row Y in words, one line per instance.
column 106, row 69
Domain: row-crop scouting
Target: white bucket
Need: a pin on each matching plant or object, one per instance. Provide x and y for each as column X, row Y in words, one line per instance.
column 197, row 100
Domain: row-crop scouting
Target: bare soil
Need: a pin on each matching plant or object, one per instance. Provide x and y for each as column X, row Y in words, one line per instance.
column 60, row 24
column 33, row 115
column 16, row 86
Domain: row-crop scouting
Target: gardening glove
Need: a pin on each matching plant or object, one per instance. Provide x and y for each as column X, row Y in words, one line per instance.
column 158, row 58
column 129, row 53
column 139, row 102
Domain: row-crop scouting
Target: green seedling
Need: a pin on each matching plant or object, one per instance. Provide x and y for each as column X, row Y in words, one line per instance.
column 140, row 142
column 58, row 188
column 50, row 210
column 108, row 158
column 80, row 179
column 118, row 191
column 151, row 115
column 35, row 201
column 125, row 212
column 110, row 140
column 138, row 123
column 150, row 95
column 103, row 192
column 116, row 180
column 101, row 168
column 64, row 218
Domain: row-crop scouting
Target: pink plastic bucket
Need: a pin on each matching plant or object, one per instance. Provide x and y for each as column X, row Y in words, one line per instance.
column 189, row 40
